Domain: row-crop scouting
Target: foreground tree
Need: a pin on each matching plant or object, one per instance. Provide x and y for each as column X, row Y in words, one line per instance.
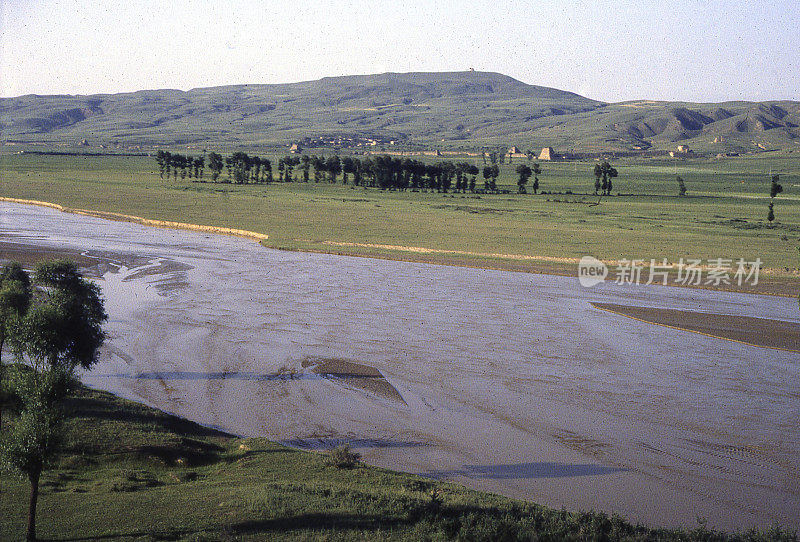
column 15, row 297
column 60, row 331
column 75, row 336
column 36, row 434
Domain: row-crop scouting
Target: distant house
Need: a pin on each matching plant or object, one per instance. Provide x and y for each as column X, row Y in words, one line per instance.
column 682, row 151
column 514, row 150
column 548, row 154
column 295, row 148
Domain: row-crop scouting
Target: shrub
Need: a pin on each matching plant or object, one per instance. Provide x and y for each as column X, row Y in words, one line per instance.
column 342, row 457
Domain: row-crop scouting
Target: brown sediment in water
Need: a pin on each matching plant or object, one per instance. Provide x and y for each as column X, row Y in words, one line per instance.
column 29, row 256
column 354, row 374
column 95, row 263
column 750, row 330
column 91, row 263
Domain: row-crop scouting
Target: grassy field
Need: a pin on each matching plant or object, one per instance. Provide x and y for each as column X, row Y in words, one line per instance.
column 128, row 472
column 724, row 215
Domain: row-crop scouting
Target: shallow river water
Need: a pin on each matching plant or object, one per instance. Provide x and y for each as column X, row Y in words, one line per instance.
column 508, row 382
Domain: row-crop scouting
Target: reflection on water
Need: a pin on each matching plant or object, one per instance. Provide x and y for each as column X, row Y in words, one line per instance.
column 508, row 382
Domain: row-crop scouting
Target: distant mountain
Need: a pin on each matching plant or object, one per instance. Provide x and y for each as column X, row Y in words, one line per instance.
column 443, row 110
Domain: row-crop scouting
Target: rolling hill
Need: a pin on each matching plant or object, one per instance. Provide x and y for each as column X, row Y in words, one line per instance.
column 442, row 110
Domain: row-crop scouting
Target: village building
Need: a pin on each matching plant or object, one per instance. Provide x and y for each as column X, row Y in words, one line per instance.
column 548, row 154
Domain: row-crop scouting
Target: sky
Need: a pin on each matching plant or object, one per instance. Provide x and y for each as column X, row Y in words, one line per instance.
column 610, row 50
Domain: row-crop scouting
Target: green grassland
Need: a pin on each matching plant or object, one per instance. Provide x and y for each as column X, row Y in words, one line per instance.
column 128, row 472
column 724, row 215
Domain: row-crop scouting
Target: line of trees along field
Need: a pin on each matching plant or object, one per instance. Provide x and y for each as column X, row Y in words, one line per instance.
column 382, row 171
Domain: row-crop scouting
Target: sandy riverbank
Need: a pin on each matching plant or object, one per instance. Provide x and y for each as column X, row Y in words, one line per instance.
column 744, row 329
column 143, row 221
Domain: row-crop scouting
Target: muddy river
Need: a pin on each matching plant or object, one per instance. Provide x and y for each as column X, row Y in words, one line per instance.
column 508, row 382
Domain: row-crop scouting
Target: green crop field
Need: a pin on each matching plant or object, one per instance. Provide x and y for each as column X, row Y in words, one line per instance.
column 723, row 216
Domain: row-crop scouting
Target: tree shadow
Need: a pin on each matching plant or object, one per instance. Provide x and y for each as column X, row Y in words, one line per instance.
column 85, row 406
column 149, row 535
column 218, row 375
column 327, row 443
column 520, row 471
column 319, row 521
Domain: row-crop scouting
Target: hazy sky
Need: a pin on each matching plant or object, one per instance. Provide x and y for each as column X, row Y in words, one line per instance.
column 696, row 50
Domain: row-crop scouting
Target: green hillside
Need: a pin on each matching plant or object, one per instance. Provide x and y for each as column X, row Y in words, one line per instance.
column 458, row 110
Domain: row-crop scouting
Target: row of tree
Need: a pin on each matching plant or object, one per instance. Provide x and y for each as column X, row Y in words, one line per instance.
column 179, row 164
column 53, row 326
column 383, row 171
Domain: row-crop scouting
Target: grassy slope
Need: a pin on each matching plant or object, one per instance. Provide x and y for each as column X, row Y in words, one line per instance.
column 723, row 217
column 435, row 110
column 130, row 472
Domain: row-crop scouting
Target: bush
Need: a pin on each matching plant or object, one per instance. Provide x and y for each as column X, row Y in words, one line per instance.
column 342, row 457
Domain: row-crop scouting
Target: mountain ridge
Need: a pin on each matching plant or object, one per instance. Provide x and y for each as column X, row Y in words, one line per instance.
column 423, row 109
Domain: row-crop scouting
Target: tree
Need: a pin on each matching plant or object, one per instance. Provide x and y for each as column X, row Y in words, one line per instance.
column 256, row 176
column 524, row 172
column 60, row 331
column 495, row 175
column 607, row 172
column 358, row 168
column 199, row 165
column 474, row 171
column 598, row 174
column 161, row 160
column 447, row 172
column 774, row 189
column 305, row 160
column 63, row 325
column 681, row 186
column 266, row 170
column 537, row 170
column 229, row 168
column 34, row 439
column 334, row 166
column 15, row 298
column 215, row 164
column 32, row 442
column 166, row 158
column 487, row 174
